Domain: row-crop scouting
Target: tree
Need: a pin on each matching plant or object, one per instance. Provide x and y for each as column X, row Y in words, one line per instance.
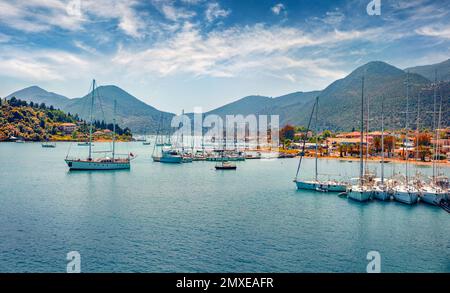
column 377, row 144
column 42, row 106
column 287, row 132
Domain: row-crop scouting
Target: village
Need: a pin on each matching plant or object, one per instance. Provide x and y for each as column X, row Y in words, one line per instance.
column 417, row 146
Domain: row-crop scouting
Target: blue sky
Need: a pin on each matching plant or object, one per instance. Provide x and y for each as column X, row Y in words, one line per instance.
column 176, row 54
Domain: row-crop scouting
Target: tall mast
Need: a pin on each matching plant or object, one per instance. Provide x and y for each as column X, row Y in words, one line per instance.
column 438, row 135
column 182, row 136
column 367, row 136
column 114, row 131
column 382, row 141
column 406, row 128
column 317, row 140
column 434, row 125
column 418, row 126
column 305, row 137
column 90, row 123
column 361, row 160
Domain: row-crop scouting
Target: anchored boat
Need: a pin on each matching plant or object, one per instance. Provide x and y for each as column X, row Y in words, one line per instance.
column 105, row 163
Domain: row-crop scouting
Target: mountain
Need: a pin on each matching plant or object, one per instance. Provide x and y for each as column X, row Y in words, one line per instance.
column 442, row 69
column 131, row 112
column 340, row 102
column 263, row 105
column 39, row 95
column 339, row 105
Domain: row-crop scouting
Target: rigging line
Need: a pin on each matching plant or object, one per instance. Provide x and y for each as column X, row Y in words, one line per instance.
column 305, row 137
column 103, row 112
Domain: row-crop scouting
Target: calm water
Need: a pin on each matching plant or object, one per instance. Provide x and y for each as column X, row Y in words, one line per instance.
column 191, row 218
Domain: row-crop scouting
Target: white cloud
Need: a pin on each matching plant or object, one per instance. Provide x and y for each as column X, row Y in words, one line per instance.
column 41, row 65
column 214, row 11
column 34, row 16
column 278, row 8
column 334, row 17
column 431, row 31
column 234, row 51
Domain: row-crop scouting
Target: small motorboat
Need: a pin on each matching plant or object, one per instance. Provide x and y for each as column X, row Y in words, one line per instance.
column 224, row 165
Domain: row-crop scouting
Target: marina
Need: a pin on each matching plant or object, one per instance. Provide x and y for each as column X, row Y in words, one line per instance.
column 123, row 220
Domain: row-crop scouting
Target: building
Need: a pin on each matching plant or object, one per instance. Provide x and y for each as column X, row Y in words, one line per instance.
column 67, row 128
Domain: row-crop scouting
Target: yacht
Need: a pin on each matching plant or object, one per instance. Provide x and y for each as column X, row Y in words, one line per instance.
column 361, row 191
column 112, row 162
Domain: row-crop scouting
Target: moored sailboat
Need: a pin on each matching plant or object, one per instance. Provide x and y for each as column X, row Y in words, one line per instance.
column 406, row 192
column 360, row 191
column 380, row 189
column 106, row 163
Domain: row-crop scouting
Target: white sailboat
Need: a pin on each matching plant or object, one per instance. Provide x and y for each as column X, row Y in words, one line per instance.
column 380, row 189
column 314, row 184
column 360, row 191
column 105, row 163
column 406, row 192
column 436, row 190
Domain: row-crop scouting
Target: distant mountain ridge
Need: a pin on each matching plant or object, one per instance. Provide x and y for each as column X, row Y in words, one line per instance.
column 131, row 112
column 339, row 103
column 37, row 94
column 439, row 70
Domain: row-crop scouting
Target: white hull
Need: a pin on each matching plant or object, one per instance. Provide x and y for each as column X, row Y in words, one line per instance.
column 92, row 165
column 407, row 197
column 310, row 185
column 432, row 198
column 336, row 187
column 361, row 196
column 381, row 195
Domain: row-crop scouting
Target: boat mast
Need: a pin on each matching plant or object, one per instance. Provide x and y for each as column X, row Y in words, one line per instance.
column 305, row 137
column 114, row 131
column 90, row 117
column 418, row 126
column 317, row 141
column 438, row 138
column 382, row 141
column 366, row 167
column 434, row 125
column 361, row 159
column 405, row 148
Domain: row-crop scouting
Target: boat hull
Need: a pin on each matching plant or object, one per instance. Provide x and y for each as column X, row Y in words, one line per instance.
column 92, row 165
column 171, row 160
column 406, row 197
column 311, row 185
column 381, row 195
column 336, row 187
column 431, row 198
column 358, row 193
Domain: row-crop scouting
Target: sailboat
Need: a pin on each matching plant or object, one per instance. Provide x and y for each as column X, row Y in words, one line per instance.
column 406, row 192
column 224, row 164
column 361, row 191
column 48, row 145
column 105, row 163
column 437, row 190
column 314, row 184
column 380, row 189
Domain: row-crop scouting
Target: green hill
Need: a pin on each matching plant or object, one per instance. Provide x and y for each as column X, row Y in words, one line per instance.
column 38, row 122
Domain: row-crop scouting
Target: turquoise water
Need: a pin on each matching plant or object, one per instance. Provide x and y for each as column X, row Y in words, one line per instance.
column 191, row 218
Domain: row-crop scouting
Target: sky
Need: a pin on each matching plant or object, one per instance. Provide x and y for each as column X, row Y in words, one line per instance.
column 181, row 54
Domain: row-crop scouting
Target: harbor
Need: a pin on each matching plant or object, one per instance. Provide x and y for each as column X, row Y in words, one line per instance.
column 188, row 217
